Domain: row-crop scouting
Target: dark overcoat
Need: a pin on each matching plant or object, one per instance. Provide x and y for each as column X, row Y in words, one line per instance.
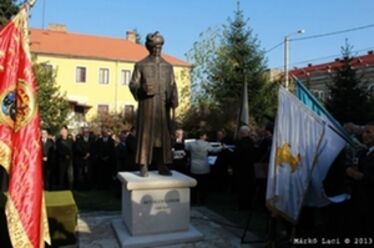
column 153, row 86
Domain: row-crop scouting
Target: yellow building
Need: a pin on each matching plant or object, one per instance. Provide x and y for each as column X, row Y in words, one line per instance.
column 95, row 71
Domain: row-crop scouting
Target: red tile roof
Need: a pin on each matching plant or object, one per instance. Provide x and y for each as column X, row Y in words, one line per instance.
column 90, row 46
column 357, row 62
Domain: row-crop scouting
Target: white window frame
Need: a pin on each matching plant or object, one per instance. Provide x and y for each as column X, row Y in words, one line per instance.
column 104, row 69
column 123, row 72
column 319, row 94
column 76, row 76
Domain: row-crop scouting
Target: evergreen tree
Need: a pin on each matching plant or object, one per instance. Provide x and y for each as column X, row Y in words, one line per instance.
column 8, row 8
column 348, row 100
column 240, row 58
column 54, row 108
column 202, row 112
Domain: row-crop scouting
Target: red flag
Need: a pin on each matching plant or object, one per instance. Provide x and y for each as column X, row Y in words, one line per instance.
column 20, row 143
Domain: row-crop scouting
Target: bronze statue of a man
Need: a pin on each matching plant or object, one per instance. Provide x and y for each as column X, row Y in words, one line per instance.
column 153, row 86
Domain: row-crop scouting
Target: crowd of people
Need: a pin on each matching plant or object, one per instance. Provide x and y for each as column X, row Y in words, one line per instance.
column 90, row 161
column 86, row 161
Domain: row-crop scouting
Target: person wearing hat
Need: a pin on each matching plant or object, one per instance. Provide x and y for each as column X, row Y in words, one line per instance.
column 153, row 86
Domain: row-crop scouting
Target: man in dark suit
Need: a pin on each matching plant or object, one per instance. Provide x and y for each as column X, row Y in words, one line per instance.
column 220, row 175
column 64, row 159
column 83, row 160
column 122, row 163
column 244, row 171
column 105, row 165
column 363, row 191
column 48, row 156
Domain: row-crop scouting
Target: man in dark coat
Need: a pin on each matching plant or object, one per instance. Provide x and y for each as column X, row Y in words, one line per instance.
column 244, row 171
column 220, row 175
column 48, row 156
column 122, row 157
column 363, row 190
column 153, row 86
column 64, row 159
column 83, row 159
column 105, row 165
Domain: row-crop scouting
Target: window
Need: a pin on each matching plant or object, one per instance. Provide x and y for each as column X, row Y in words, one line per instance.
column 48, row 67
column 80, row 75
column 320, row 94
column 129, row 113
column 79, row 109
column 103, row 76
column 79, row 114
column 125, row 77
column 102, row 109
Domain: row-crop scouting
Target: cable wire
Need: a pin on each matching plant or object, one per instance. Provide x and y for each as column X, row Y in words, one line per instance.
column 325, row 57
column 271, row 49
column 333, row 33
column 322, row 35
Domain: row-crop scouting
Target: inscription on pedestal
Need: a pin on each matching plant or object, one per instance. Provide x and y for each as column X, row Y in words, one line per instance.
column 161, row 204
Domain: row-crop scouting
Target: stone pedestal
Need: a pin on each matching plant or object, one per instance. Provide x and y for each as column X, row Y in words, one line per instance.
column 155, row 210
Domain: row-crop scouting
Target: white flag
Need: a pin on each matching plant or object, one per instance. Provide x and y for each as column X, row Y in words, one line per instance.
column 332, row 144
column 297, row 140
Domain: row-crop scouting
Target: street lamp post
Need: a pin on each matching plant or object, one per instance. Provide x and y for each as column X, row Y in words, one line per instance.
column 286, row 41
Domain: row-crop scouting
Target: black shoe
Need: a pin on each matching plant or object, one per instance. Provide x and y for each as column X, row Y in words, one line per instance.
column 164, row 170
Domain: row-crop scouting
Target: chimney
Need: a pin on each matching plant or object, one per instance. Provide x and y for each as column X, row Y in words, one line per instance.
column 131, row 36
column 370, row 52
column 57, row 27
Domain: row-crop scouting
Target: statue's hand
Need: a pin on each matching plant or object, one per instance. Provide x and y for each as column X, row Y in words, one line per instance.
column 149, row 89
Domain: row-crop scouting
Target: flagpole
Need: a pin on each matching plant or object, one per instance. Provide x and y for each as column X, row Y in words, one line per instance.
column 286, row 62
column 43, row 15
column 28, row 4
column 286, row 52
column 243, row 117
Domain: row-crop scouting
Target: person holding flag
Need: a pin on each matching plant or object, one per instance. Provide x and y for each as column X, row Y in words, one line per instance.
column 20, row 142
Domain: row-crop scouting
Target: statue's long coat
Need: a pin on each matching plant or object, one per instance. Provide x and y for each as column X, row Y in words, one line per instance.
column 153, row 126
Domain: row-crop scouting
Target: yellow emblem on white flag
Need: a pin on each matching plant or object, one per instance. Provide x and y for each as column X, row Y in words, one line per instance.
column 285, row 156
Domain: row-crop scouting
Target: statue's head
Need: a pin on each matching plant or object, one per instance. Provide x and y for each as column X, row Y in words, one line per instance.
column 154, row 42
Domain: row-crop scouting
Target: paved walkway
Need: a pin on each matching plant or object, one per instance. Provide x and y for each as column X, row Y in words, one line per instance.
column 95, row 231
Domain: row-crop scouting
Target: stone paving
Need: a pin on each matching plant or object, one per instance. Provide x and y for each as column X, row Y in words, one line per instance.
column 94, row 230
